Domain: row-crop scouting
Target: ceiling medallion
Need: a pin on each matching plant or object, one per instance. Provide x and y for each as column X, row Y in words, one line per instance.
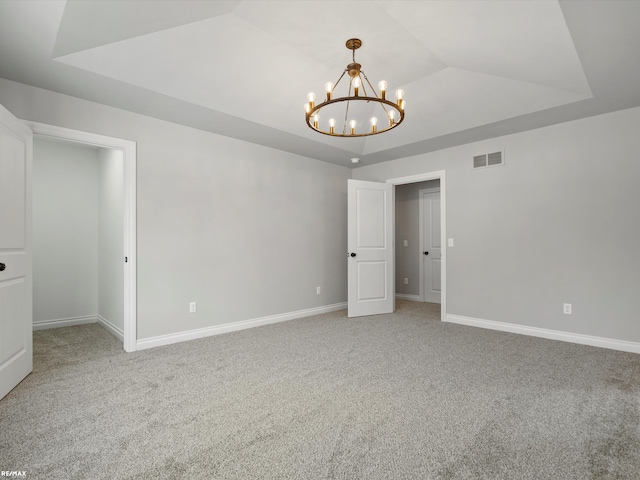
column 357, row 94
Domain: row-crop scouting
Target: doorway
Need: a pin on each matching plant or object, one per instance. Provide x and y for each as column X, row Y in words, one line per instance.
column 409, row 254
column 119, row 291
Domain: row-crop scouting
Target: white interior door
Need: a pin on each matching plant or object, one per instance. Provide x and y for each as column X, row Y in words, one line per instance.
column 431, row 245
column 371, row 250
column 16, row 352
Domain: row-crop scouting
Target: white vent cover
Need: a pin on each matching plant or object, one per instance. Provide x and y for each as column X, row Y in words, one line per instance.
column 488, row 159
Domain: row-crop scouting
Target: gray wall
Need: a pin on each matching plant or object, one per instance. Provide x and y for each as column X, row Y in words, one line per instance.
column 244, row 230
column 111, row 238
column 408, row 228
column 558, row 223
column 65, row 231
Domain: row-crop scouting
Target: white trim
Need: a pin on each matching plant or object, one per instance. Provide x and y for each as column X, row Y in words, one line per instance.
column 64, row 322
column 110, row 327
column 128, row 148
column 420, row 177
column 578, row 338
column 406, row 296
column 234, row 326
column 439, row 174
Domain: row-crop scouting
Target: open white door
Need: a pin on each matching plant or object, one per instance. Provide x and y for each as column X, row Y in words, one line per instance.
column 431, row 242
column 371, row 250
column 16, row 352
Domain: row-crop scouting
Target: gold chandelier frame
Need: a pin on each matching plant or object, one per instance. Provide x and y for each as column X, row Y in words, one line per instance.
column 393, row 111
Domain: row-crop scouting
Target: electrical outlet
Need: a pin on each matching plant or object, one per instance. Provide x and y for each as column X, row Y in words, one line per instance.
column 318, row 291
column 193, row 307
column 406, row 281
column 406, row 243
column 566, row 308
column 450, row 242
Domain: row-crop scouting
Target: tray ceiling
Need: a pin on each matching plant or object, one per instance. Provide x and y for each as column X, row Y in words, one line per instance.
column 470, row 69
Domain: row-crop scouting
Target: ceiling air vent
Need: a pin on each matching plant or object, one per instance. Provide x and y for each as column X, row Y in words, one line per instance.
column 488, row 159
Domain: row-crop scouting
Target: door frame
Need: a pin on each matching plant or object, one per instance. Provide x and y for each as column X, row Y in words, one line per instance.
column 128, row 149
column 421, row 194
column 421, row 177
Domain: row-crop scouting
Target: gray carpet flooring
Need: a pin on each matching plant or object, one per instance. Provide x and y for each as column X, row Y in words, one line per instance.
column 399, row 396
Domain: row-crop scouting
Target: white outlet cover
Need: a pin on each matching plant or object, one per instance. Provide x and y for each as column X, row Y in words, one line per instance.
column 450, row 242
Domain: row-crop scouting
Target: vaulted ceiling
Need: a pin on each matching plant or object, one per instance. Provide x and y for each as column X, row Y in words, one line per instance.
column 471, row 69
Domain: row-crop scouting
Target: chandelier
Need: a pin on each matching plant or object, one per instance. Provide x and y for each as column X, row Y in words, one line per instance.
column 361, row 98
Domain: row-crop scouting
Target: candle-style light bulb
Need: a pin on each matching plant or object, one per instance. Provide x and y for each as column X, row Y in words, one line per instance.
column 315, row 118
column 382, row 85
column 352, row 124
column 311, row 97
column 374, row 122
column 392, row 117
column 328, row 87
column 332, row 124
column 356, row 86
column 399, row 95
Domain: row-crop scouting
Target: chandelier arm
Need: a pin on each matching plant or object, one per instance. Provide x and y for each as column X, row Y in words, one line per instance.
column 384, row 108
column 375, row 94
column 346, row 111
column 336, row 84
column 346, row 115
column 364, row 89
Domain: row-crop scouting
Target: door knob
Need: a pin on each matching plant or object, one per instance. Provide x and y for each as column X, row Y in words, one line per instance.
column 352, row 254
column 2, row 267
column 426, row 253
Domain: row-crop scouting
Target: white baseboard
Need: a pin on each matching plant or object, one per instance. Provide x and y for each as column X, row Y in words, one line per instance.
column 64, row 322
column 233, row 327
column 406, row 296
column 578, row 338
column 111, row 328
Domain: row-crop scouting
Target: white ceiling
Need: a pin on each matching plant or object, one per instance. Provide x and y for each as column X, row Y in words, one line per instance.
column 470, row 69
